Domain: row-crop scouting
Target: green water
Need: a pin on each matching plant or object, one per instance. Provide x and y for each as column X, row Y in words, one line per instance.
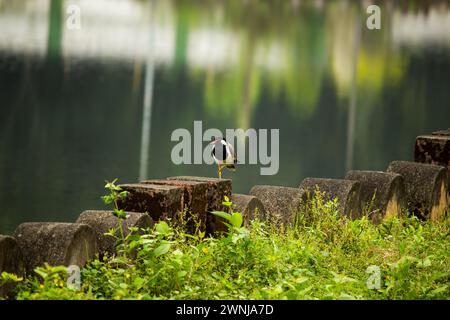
column 73, row 101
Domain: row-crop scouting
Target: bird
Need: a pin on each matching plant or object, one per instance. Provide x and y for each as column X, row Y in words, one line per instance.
column 223, row 154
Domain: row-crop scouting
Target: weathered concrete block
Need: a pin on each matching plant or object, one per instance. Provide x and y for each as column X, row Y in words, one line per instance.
column 55, row 243
column 249, row 206
column 195, row 200
column 11, row 260
column 281, row 203
column 426, row 188
column 160, row 202
column 384, row 192
column 217, row 190
column 103, row 221
column 346, row 191
column 433, row 149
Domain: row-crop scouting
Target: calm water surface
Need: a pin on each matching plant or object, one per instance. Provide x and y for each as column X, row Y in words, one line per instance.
column 81, row 106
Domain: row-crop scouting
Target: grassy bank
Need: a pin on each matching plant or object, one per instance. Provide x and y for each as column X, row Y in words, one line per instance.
column 325, row 257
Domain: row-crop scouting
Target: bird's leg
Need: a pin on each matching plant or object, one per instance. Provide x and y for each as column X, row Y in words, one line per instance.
column 219, row 171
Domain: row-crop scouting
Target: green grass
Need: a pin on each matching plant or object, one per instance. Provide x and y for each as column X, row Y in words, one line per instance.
column 320, row 257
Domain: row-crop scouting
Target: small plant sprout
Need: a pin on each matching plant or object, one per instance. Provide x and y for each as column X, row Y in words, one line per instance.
column 234, row 221
column 115, row 194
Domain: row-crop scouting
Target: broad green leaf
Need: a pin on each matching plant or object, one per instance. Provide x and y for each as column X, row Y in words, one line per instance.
column 123, row 285
column 222, row 214
column 138, row 282
column 107, row 199
column 58, row 269
column 162, row 249
column 41, row 272
column 236, row 220
column 133, row 237
column 123, row 194
column 163, row 228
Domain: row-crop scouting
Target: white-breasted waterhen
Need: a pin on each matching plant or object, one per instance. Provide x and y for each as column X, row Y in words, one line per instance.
column 223, row 154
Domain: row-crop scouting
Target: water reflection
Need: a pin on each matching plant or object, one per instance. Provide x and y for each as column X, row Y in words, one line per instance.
column 81, row 106
column 148, row 101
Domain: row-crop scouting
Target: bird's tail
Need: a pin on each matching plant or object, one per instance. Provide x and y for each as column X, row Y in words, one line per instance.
column 231, row 167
